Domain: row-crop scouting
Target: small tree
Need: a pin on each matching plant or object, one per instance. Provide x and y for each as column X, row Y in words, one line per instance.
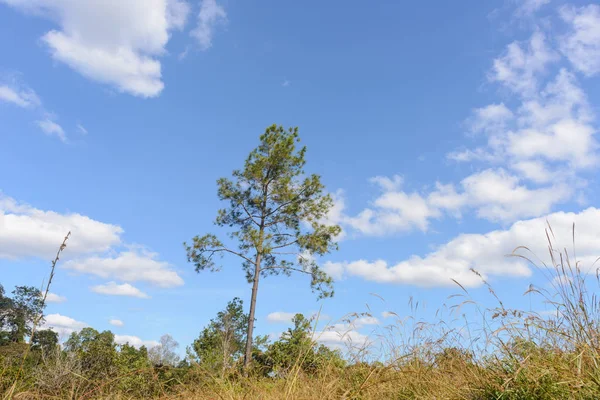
column 164, row 353
column 46, row 341
column 221, row 343
column 6, row 305
column 97, row 352
column 21, row 312
column 296, row 348
column 277, row 213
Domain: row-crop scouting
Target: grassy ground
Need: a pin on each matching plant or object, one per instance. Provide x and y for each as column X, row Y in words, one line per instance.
column 512, row 354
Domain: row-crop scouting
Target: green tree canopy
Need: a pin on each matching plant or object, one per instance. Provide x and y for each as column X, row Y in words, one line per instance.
column 222, row 342
column 18, row 314
column 97, row 352
column 296, row 347
column 45, row 340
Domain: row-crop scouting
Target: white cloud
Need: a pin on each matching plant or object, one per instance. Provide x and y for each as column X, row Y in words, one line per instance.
column 341, row 336
column 394, row 211
column 82, row 129
column 177, row 13
column 63, row 325
column 135, row 341
column 486, row 253
column 581, row 44
column 54, row 298
column 388, row 314
column 520, row 65
column 553, row 126
column 490, row 119
column 334, row 270
column 280, row 317
column 387, row 184
column 493, row 194
column 51, row 128
column 211, row 14
column 115, row 43
column 23, row 97
column 499, row 196
column 30, row 232
column 556, row 126
column 116, row 322
column 135, row 265
column 365, row 320
column 529, row 7
column 336, row 215
column 114, row 289
column 445, row 197
column 535, row 171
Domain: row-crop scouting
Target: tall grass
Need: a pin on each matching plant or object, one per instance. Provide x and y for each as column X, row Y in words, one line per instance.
column 497, row 353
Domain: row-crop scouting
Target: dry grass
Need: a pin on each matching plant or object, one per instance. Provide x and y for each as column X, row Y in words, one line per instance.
column 503, row 353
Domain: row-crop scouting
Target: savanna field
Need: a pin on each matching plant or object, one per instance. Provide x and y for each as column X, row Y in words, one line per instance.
column 418, row 219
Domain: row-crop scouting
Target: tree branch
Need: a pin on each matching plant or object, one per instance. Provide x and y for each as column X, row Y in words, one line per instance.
column 284, row 245
column 289, row 268
column 250, row 216
column 213, row 251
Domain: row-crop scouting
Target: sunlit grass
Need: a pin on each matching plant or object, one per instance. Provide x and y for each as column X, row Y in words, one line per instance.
column 500, row 353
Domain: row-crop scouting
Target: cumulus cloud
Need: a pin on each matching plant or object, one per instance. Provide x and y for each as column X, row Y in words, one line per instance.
column 493, row 194
column 393, row 211
column 116, row 322
column 499, row 196
column 63, row 325
column 518, row 68
column 135, row 265
column 114, row 289
column 26, row 231
column 581, row 44
column 115, row 43
column 484, row 253
column 280, row 317
column 210, row 16
column 55, row 298
column 342, row 336
column 490, row 119
column 551, row 134
column 135, row 341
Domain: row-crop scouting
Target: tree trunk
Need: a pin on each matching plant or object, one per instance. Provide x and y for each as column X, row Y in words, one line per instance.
column 248, row 354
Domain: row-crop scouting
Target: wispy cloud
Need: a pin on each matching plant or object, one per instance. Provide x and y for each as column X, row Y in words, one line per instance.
column 51, row 128
column 22, row 97
column 210, row 16
column 81, row 129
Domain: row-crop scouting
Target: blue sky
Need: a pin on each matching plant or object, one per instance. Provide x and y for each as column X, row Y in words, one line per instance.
column 448, row 132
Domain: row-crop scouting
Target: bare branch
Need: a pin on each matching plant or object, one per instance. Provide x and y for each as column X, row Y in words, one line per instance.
column 213, row 251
